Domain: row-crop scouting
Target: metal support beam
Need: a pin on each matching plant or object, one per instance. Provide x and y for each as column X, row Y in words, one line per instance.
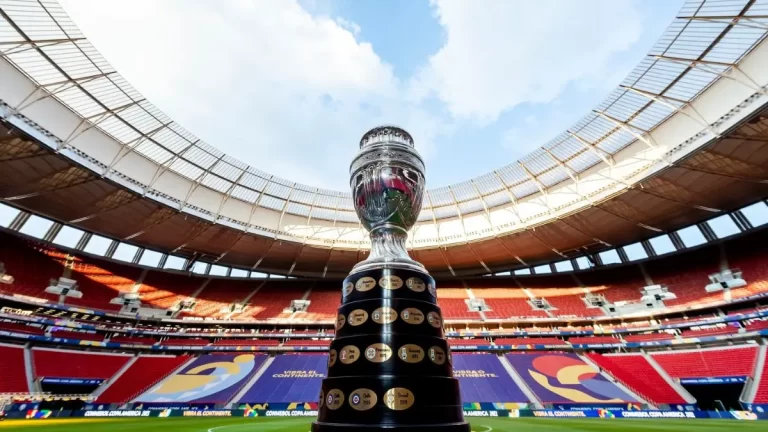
column 111, row 249
column 464, row 230
column 741, row 220
column 632, row 130
column 575, row 264
column 677, row 242
column 707, row 231
column 667, row 102
column 648, row 248
column 440, row 247
column 83, row 242
column 137, row 256
column 708, row 66
column 19, row 220
column 539, row 185
column 743, row 21
column 163, row 260
column 606, row 157
column 571, row 173
column 622, row 255
column 52, row 232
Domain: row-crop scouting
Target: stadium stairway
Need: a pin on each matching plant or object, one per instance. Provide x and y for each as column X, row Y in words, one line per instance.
column 520, row 383
column 100, row 390
column 618, row 383
column 671, row 381
column 144, row 372
column 708, row 362
column 184, row 362
column 57, row 363
column 231, row 404
column 11, row 378
column 636, row 373
column 758, row 386
column 29, row 370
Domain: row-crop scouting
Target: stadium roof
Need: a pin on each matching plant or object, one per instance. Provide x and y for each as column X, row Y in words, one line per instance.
column 655, row 118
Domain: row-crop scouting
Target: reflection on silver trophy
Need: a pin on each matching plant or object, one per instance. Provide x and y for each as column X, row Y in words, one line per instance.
column 387, row 180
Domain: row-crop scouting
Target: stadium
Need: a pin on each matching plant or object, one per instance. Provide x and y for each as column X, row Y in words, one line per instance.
column 616, row 278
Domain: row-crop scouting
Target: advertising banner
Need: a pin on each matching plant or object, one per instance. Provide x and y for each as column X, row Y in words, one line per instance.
column 564, row 378
column 715, row 380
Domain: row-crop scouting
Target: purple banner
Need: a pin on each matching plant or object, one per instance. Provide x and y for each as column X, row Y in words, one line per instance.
column 211, row 378
column 289, row 379
column 566, row 378
column 484, row 379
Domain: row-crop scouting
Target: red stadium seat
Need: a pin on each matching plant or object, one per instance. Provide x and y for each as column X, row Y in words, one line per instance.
column 140, row 340
column 272, row 298
column 13, row 377
column 185, row 342
column 635, row 372
column 529, row 341
column 220, row 293
column 247, row 342
column 593, row 340
column 307, row 342
column 21, row 328
column 66, row 334
column 504, row 298
column 74, row 364
column 164, row 290
column 101, row 281
column 562, row 294
column 30, row 267
column 710, row 332
column 451, row 298
column 710, row 362
column 145, row 372
column 686, row 276
column 623, row 284
column 468, row 342
column 648, row 337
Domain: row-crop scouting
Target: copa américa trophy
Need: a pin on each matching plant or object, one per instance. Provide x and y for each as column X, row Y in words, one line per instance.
column 389, row 366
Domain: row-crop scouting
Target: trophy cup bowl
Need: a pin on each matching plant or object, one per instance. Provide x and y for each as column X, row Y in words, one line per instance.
column 389, row 366
column 387, row 181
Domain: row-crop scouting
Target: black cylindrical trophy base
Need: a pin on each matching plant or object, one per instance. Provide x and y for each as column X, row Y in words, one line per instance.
column 332, row 427
column 389, row 367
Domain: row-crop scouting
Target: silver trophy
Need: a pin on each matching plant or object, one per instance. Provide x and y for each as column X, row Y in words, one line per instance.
column 387, row 180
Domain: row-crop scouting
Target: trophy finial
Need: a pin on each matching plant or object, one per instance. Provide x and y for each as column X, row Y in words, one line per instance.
column 386, row 134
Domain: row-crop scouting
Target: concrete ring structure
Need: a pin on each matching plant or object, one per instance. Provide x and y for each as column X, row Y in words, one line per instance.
column 682, row 139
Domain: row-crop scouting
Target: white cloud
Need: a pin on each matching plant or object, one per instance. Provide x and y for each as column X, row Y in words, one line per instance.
column 500, row 53
column 291, row 93
column 267, row 82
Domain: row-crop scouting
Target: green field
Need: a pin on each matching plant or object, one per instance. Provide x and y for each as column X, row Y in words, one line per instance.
column 302, row 425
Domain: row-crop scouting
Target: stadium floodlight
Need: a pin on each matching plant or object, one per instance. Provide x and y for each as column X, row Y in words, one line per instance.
column 298, row 306
column 4, row 277
column 65, row 287
column 477, row 305
column 725, row 279
column 657, row 293
column 127, row 299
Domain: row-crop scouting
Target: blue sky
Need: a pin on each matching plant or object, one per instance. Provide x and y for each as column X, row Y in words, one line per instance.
column 289, row 86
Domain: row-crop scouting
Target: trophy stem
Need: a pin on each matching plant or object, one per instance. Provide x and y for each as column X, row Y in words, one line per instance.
column 388, row 250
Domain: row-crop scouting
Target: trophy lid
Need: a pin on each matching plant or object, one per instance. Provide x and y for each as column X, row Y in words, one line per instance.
column 386, row 134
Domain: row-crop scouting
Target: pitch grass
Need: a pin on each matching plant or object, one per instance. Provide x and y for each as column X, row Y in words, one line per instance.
column 302, row 425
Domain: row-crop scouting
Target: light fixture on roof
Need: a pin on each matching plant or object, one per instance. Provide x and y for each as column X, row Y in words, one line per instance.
column 65, row 287
column 725, row 279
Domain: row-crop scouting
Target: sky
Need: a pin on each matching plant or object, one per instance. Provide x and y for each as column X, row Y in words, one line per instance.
column 290, row 86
